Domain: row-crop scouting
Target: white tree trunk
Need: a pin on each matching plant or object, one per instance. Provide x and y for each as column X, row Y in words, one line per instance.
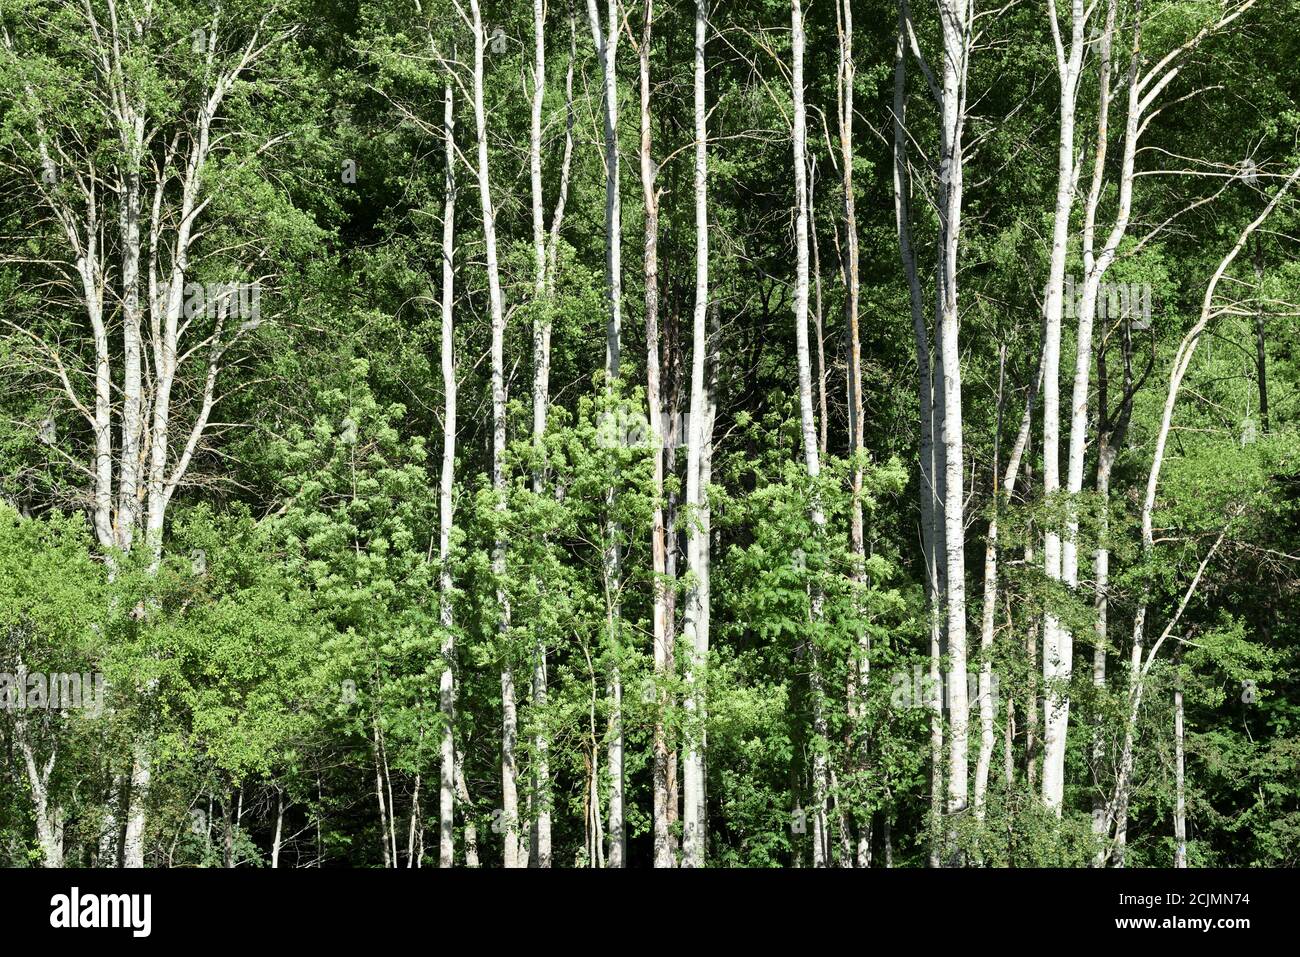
column 1058, row 650
column 540, row 851
column 661, row 624
column 513, row 851
column 695, row 627
column 808, row 422
column 956, row 20
column 447, row 679
column 1180, row 801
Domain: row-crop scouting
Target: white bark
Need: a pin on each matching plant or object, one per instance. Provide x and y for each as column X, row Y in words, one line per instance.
column 606, row 49
column 513, row 851
column 661, row 624
column 49, row 815
column 695, row 628
column 1180, row 801
column 808, row 422
column 540, row 851
column 861, row 663
column 1058, row 649
column 956, row 23
column 447, row 679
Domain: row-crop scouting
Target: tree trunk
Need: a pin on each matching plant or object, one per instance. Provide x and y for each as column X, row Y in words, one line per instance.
column 661, row 624
column 1180, row 801
column 1058, row 653
column 279, row 829
column 956, row 16
column 513, row 852
column 540, row 851
column 696, row 627
column 812, row 462
column 446, row 485
column 606, row 48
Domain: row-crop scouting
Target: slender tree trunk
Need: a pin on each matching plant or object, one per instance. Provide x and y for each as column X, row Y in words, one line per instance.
column 1261, row 357
column 1110, row 436
column 49, row 815
column 514, row 852
column 821, row 790
column 606, row 48
column 413, row 825
column 956, row 19
column 1058, row 651
column 1180, row 799
column 695, row 628
column 471, row 830
column 385, row 847
column 662, row 625
column 861, row 663
column 279, row 829
column 446, row 486
column 540, row 850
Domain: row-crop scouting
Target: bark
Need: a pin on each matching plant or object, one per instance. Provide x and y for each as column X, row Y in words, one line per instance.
column 1111, row 430
column 1058, row 646
column 812, row 462
column 446, row 485
column 696, row 624
column 49, row 815
column 661, row 623
column 861, row 663
column 1180, row 801
column 513, row 851
column 956, row 25
column 413, row 826
column 1261, row 357
column 276, row 842
column 606, row 49
column 540, row 850
column 471, row 830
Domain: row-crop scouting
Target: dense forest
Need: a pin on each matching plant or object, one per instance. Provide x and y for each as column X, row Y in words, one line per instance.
column 649, row 433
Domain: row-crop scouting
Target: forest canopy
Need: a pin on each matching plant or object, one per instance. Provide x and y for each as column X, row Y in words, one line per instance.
column 825, row 433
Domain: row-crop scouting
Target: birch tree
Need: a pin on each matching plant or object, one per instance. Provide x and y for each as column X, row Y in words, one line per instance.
column 446, row 487
column 696, row 626
column 1058, row 654
column 606, row 41
column 514, row 850
column 846, row 78
column 661, row 623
